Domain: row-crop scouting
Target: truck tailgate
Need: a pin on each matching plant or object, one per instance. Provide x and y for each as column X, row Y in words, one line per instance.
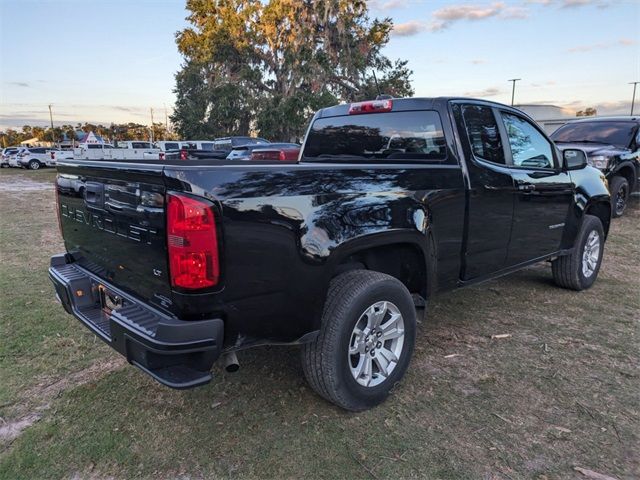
column 113, row 222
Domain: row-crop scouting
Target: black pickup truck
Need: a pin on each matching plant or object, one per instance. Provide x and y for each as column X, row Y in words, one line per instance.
column 612, row 145
column 393, row 200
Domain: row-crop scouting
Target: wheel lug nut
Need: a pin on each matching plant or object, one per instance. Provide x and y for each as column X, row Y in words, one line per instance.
column 379, row 334
column 378, row 345
column 366, row 349
column 373, row 353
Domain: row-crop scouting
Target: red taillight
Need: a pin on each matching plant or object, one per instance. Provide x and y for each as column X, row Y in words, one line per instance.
column 268, row 155
column 161, row 156
column 183, row 155
column 278, row 155
column 192, row 243
column 53, row 157
column 372, row 106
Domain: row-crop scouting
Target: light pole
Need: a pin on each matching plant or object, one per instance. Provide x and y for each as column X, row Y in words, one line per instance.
column 151, row 136
column 633, row 99
column 51, row 119
column 513, row 89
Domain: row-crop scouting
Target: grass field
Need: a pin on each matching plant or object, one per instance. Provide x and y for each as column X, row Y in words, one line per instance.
column 563, row 391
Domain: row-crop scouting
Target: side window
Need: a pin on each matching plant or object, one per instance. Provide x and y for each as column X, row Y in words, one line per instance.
column 483, row 133
column 529, row 148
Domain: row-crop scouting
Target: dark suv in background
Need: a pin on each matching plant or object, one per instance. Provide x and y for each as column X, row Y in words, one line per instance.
column 612, row 145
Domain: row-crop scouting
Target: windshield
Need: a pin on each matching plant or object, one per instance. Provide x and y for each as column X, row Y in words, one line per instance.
column 618, row 134
column 415, row 135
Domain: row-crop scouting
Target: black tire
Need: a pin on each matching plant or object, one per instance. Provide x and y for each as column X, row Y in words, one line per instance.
column 568, row 270
column 326, row 360
column 34, row 165
column 619, row 188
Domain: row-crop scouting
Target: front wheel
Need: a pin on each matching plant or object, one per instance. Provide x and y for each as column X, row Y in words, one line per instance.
column 619, row 195
column 579, row 270
column 34, row 165
column 366, row 340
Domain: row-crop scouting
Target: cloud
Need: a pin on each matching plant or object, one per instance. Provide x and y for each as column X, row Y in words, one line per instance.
column 571, row 3
column 576, row 3
column 394, row 4
column 121, row 108
column 518, row 13
column 388, row 4
column 408, row 29
column 624, row 42
column 549, row 83
column 487, row 92
column 19, row 84
column 443, row 18
column 478, row 61
column 468, row 12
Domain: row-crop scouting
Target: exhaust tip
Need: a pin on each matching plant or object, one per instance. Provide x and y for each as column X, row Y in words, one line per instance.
column 231, row 368
column 230, row 362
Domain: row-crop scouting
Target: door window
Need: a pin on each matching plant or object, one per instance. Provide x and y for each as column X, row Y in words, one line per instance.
column 483, row 133
column 529, row 148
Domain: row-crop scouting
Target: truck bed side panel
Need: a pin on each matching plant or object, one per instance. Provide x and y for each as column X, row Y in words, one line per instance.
column 282, row 223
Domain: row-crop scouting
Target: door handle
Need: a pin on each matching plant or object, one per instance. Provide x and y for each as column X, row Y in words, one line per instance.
column 526, row 187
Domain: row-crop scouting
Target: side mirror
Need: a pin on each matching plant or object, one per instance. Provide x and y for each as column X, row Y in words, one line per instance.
column 574, row 159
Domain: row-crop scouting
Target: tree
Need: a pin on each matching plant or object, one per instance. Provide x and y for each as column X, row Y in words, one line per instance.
column 264, row 67
column 587, row 112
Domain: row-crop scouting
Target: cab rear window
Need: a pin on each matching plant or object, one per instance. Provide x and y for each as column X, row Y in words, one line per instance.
column 413, row 135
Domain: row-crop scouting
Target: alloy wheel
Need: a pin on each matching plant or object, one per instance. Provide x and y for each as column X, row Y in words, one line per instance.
column 376, row 344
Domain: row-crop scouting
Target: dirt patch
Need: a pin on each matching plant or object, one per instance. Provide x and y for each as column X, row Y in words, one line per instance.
column 19, row 184
column 11, row 430
column 47, row 390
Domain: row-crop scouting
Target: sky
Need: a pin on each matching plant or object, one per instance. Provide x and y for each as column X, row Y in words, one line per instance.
column 113, row 60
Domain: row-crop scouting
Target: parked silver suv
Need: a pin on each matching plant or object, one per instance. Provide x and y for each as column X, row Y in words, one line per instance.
column 35, row 157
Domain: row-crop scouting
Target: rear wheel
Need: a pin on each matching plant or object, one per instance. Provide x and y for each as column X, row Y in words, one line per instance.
column 619, row 188
column 579, row 270
column 34, row 165
column 365, row 341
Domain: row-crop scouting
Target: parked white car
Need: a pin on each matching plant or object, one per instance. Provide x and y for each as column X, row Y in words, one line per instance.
column 6, row 153
column 35, row 158
column 13, row 158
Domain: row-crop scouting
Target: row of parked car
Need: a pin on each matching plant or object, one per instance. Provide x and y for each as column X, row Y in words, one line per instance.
column 229, row 148
column 27, row 157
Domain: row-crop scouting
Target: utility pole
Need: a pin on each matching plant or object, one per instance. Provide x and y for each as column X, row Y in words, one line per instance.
column 51, row 119
column 633, row 99
column 166, row 122
column 151, row 136
column 513, row 89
